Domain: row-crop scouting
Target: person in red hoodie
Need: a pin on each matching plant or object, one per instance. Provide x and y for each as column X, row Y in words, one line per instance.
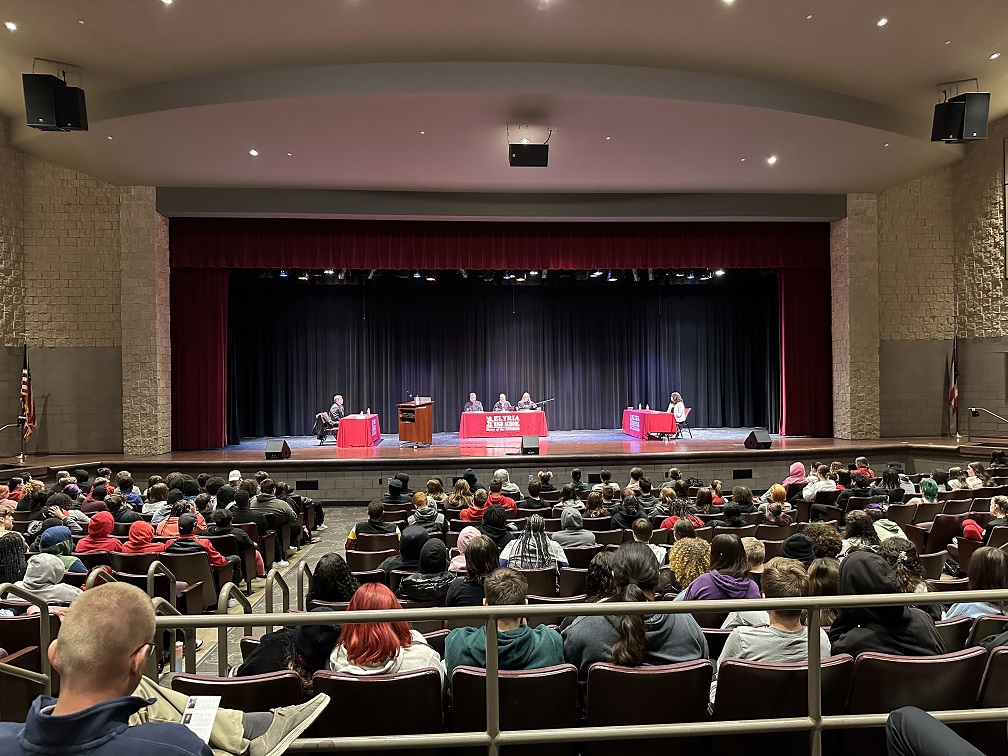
column 98, row 538
column 474, row 512
column 497, row 497
column 188, row 543
column 141, row 540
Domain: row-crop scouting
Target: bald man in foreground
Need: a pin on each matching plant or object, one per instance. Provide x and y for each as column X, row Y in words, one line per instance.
column 107, row 707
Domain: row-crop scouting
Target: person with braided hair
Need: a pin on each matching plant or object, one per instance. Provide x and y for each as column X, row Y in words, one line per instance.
column 533, row 550
column 13, row 562
column 634, row 639
column 629, row 510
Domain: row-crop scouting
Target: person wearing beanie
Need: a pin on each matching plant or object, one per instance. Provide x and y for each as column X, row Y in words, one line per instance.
column 432, row 581
column 395, row 493
column 458, row 563
column 798, row 547
column 572, row 531
column 188, row 543
column 141, row 540
column 411, row 543
column 58, row 541
column 98, row 538
column 507, row 487
column 404, row 479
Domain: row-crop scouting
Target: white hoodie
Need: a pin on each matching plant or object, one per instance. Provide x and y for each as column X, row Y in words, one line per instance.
column 417, row 656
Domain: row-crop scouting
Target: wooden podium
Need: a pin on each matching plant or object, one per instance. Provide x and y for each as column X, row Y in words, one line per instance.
column 416, row 423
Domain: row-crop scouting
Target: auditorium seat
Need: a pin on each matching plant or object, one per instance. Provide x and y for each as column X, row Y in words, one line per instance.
column 329, row 606
column 883, row 682
column 954, row 632
column 554, row 619
column 541, row 582
column 661, row 694
column 92, row 559
column 396, row 576
column 705, row 533
column 579, row 556
column 793, row 489
column 901, row 514
column 753, row 690
column 552, row 689
column 747, row 531
column 378, row 542
column 357, row 701
column 244, row 693
column 772, row 549
column 753, row 518
column 17, row 694
column 943, row 529
column 827, row 498
column 371, row 576
column 989, row 737
column 716, row 639
column 768, row 532
column 962, row 506
column 572, row 581
column 424, row 626
column 933, row 564
column 436, row 640
column 710, row 620
column 956, row 584
column 552, row 524
column 195, row 568
column 987, row 624
column 266, row 543
column 597, row 523
column 362, row 561
column 856, row 502
column 963, row 551
column 227, row 545
column 451, row 539
column 927, row 511
column 609, row 537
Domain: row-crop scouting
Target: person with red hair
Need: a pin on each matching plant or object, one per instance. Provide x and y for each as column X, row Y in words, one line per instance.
column 381, row 648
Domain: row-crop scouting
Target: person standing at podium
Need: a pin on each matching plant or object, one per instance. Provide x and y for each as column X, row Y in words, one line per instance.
column 503, row 405
column 474, row 404
column 526, row 403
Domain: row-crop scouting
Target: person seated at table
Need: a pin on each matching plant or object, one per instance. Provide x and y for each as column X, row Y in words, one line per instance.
column 676, row 407
column 474, row 404
column 336, row 411
column 526, row 403
column 503, row 405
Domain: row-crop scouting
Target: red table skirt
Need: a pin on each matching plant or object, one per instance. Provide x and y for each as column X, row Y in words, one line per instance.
column 501, row 424
column 639, row 423
column 358, row 430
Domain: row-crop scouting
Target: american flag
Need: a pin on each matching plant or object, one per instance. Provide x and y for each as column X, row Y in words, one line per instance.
column 27, row 400
column 953, row 396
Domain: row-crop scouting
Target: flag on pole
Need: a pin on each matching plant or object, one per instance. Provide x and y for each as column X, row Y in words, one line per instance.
column 954, row 378
column 27, row 401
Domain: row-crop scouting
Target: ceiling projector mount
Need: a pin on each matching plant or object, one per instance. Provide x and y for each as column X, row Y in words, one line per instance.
column 962, row 117
column 528, row 146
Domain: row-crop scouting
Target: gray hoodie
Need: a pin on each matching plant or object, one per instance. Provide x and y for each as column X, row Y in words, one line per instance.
column 508, row 489
column 573, row 532
column 43, row 576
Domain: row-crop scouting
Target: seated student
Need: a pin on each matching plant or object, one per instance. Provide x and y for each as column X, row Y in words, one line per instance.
column 432, row 581
column 795, row 475
column 728, row 577
column 903, row 630
column 798, row 547
column 731, row 517
column 533, row 500
column 481, row 557
column 859, row 487
column 688, row 559
column 776, row 494
column 572, row 531
column 859, row 533
column 642, row 531
column 465, row 537
column 569, row 498
column 861, row 466
column 680, row 508
column 475, row 511
column 646, row 501
column 683, row 528
column 594, row 506
column 469, row 476
column 374, row 524
column 743, row 496
column 460, row 497
column 508, row 488
column 671, row 477
column 784, row 639
column 988, row 572
column 821, row 482
column 188, row 543
column 495, row 527
column 426, row 515
column 436, row 495
column 608, row 498
column 57, row 540
column 129, row 492
column 533, row 550
column 157, row 500
column 381, row 648
column 717, row 493
column 890, row 487
column 579, row 485
column 775, row 515
column 546, row 481
column 98, row 538
column 884, row 527
column 901, row 555
column 496, row 496
column 102, row 690
column 605, row 479
column 410, row 545
column 118, row 508
column 331, row 581
column 169, row 527
column 221, row 524
column 519, row 646
column 825, row 539
column 628, row 511
column 755, row 553
column 633, row 640
column 999, row 512
column 43, row 576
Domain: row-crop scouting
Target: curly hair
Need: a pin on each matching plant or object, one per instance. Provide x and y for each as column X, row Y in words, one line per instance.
column 599, row 581
column 826, row 540
column 861, row 529
column 902, row 556
column 331, row 581
column 689, row 558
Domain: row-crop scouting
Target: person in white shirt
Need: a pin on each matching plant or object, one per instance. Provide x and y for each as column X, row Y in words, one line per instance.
column 821, row 483
column 676, row 406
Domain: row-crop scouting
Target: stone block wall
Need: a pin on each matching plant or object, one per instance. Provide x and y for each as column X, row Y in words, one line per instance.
column 11, row 242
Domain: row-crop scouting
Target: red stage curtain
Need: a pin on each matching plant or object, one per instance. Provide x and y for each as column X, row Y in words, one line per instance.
column 408, row 245
column 806, row 379
column 199, row 307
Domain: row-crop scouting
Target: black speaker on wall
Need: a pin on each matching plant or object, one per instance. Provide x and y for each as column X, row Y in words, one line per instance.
column 962, row 119
column 758, row 439
column 50, row 105
column 530, row 444
column 277, row 448
column 528, row 155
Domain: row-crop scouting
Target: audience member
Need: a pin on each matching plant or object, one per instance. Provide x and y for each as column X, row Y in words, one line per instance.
column 824, row 580
column 645, row 499
column 605, row 479
column 546, row 481
column 642, row 531
column 569, row 498
column 534, row 500
column 633, row 640
column 912, row 732
column 465, row 537
column 170, row 526
column 861, row 466
column 594, row 506
column 188, row 543
column 755, row 553
column 533, row 550
column 821, row 482
column 222, row 525
column 728, row 578
column 676, row 503
column 43, row 577
column 957, row 479
column 799, row 547
column 519, row 646
column 496, row 496
column 13, row 561
column 481, row 557
column 475, row 511
column 689, row 558
column 374, row 524
column 717, row 493
column 431, row 582
column 267, row 503
column 331, row 582
column 579, row 485
column 775, row 515
column 426, row 515
column 859, row 533
column 683, row 528
column 508, row 488
column 903, row 630
column 743, row 497
column 436, row 494
column 495, row 526
column 157, row 500
column 474, row 485
column 98, row 538
column 988, row 572
column 410, row 545
column 58, row 541
column 599, row 582
column 859, row 487
column 890, row 487
column 572, row 531
column 902, row 557
column 825, row 538
column 731, row 517
column 608, row 498
column 628, row 511
column 460, row 497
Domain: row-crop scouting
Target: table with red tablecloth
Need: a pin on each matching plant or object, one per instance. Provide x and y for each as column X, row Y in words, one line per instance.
column 502, row 424
column 358, row 430
column 641, row 423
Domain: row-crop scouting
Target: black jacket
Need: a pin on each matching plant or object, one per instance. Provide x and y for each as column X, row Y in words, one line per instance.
column 241, row 516
column 420, row 587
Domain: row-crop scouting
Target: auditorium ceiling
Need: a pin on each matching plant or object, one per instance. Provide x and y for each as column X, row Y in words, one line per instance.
column 643, row 96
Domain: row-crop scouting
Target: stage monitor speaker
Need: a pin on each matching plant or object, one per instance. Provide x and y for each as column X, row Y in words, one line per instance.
column 528, row 155
column 277, row 448
column 947, row 125
column 530, row 444
column 758, row 439
column 974, row 124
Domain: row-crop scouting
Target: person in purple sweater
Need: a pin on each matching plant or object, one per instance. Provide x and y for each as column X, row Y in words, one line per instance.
column 727, row 577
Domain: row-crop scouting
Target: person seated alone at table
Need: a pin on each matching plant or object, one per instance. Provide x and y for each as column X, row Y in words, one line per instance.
column 677, row 407
column 474, row 404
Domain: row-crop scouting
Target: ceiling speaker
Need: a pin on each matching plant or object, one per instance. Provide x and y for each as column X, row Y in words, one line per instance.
column 975, row 119
column 947, row 125
column 50, row 105
column 528, row 155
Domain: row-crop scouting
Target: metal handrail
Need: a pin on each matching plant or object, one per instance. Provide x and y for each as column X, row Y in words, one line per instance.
column 302, row 568
column 164, row 611
column 493, row 738
column 158, row 567
column 272, row 579
column 45, row 635
column 98, row 572
column 229, row 591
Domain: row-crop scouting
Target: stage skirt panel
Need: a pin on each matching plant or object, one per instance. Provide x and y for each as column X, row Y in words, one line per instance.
column 502, row 424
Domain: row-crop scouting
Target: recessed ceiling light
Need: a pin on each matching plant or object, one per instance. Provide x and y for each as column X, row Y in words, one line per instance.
column 254, row 153
column 948, row 41
column 995, row 56
column 772, row 160
column 80, row 20
column 886, row 144
column 729, row 2
column 110, row 136
column 11, row 26
column 608, row 138
column 422, row 133
column 167, row 2
column 882, row 21
column 742, row 160
column 289, row 154
column 808, row 17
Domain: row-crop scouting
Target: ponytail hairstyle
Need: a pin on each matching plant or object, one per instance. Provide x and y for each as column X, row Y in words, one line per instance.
column 635, row 572
column 902, row 556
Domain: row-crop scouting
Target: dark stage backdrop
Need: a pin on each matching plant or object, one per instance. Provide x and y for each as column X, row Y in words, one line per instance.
column 595, row 346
